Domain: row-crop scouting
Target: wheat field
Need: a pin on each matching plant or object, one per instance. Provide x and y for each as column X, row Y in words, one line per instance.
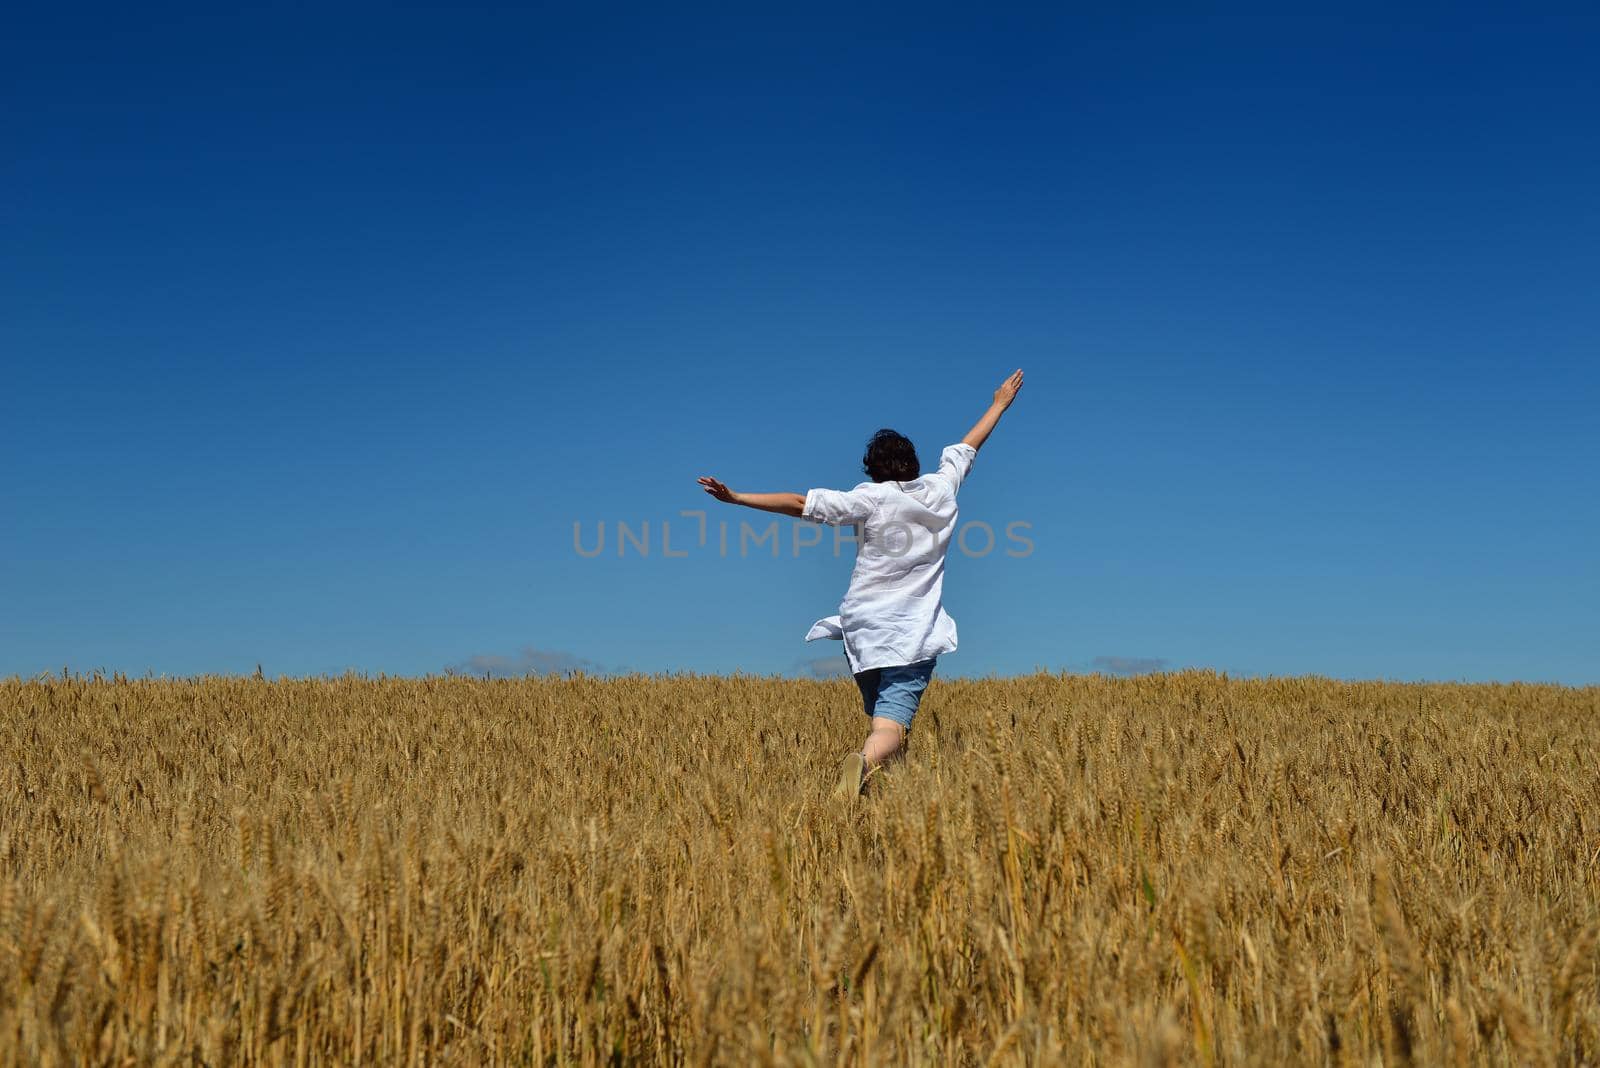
column 1179, row 868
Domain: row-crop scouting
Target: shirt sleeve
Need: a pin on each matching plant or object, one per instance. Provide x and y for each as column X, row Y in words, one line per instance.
column 837, row 507
column 955, row 462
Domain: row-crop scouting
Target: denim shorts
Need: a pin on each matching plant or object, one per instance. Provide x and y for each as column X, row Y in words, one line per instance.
column 895, row 692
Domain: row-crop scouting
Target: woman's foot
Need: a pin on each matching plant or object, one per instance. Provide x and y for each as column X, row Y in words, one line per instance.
column 851, row 775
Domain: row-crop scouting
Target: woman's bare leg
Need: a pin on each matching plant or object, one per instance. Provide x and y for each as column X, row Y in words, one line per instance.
column 886, row 741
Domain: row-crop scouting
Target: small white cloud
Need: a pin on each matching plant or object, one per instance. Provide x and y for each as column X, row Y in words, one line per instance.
column 823, row 667
column 529, row 661
column 1128, row 665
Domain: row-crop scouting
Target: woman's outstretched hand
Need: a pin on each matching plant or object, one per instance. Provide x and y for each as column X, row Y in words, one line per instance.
column 1009, row 389
column 1002, row 400
column 718, row 490
column 782, row 503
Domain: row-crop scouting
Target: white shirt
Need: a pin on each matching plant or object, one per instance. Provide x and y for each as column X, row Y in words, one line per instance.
column 893, row 613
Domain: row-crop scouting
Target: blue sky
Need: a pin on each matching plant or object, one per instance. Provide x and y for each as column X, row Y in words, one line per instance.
column 321, row 326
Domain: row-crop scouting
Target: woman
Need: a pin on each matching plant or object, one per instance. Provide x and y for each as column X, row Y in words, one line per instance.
column 892, row 619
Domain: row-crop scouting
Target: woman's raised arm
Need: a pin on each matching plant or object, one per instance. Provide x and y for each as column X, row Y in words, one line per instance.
column 1002, row 400
column 782, row 503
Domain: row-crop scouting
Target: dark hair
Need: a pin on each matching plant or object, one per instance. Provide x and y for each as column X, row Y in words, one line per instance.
column 891, row 458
